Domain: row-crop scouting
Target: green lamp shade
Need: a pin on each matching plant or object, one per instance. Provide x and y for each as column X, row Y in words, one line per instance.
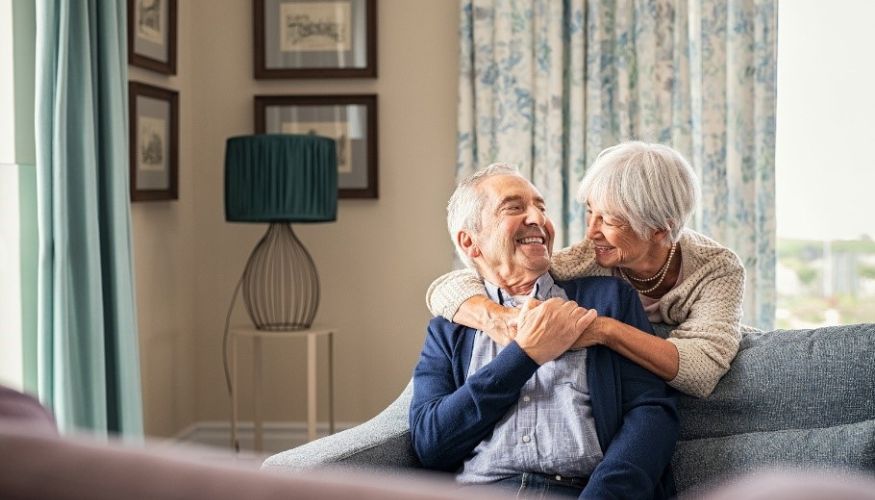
column 280, row 178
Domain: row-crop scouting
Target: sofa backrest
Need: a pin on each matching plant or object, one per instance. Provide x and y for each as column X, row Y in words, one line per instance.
column 789, row 379
column 791, row 398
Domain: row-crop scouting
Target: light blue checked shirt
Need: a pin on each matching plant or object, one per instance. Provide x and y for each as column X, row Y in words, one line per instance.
column 551, row 429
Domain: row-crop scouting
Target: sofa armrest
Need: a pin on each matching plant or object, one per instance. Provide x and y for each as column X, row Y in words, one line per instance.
column 36, row 465
column 383, row 441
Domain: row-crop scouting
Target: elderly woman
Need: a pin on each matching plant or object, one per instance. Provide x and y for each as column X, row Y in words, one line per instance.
column 638, row 197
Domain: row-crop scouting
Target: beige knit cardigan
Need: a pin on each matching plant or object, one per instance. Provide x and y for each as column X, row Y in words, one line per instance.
column 704, row 308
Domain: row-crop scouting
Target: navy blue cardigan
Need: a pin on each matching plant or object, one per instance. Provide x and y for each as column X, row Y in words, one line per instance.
column 634, row 411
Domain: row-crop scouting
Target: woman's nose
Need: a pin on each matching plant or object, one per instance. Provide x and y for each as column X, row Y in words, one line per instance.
column 593, row 227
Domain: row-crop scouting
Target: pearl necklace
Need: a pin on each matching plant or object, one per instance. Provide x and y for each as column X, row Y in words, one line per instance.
column 661, row 274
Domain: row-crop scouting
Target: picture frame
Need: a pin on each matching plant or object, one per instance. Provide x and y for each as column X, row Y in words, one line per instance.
column 152, row 35
column 154, row 142
column 315, row 38
column 351, row 120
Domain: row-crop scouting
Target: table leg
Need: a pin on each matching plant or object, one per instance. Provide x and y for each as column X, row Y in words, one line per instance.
column 235, row 445
column 256, row 391
column 331, row 382
column 311, row 387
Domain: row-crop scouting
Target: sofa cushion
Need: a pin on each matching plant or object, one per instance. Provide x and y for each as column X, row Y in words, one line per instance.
column 382, row 442
column 789, row 380
column 699, row 462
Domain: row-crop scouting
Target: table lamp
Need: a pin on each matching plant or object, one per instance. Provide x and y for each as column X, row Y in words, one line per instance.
column 280, row 179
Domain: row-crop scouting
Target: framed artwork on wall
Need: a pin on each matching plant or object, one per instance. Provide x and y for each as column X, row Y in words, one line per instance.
column 152, row 35
column 315, row 38
column 351, row 120
column 154, row 147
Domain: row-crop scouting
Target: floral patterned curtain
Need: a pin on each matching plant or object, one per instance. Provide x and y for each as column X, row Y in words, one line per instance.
column 547, row 84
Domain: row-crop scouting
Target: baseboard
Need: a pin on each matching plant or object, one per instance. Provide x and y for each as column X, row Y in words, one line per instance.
column 276, row 436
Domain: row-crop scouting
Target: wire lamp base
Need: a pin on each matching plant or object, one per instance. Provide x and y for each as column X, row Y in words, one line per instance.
column 280, row 284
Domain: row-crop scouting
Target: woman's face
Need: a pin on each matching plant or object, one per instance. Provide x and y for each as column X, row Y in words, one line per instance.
column 614, row 241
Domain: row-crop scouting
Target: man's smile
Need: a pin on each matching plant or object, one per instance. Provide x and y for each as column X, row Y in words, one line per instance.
column 529, row 240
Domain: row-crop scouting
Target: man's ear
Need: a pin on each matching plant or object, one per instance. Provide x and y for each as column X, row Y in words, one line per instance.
column 466, row 242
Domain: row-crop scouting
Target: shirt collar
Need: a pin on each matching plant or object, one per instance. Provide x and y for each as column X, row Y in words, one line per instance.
column 540, row 291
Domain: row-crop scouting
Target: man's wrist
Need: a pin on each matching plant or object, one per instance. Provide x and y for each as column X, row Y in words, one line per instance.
column 522, row 362
column 530, row 352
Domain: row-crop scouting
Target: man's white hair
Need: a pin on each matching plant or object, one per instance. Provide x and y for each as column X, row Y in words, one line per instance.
column 464, row 210
column 651, row 186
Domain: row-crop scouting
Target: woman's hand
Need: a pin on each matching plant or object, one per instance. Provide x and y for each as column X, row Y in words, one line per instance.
column 499, row 322
column 502, row 323
column 595, row 333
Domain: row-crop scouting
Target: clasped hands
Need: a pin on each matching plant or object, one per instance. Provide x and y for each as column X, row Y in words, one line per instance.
column 545, row 330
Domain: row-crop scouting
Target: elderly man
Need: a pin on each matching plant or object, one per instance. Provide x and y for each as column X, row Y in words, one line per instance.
column 536, row 414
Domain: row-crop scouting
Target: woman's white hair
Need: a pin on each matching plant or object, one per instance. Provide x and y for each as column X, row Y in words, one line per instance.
column 464, row 210
column 650, row 186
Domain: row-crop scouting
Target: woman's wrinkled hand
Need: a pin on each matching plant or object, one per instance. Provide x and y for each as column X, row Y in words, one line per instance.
column 502, row 324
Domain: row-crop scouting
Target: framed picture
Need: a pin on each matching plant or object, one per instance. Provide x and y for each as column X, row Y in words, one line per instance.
column 315, row 38
column 154, row 148
column 351, row 120
column 152, row 35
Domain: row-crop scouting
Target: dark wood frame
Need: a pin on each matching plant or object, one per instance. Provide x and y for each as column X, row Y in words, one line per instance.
column 370, row 103
column 167, row 67
column 262, row 72
column 136, row 89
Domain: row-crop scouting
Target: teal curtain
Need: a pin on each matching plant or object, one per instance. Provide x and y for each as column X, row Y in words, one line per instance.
column 88, row 365
column 548, row 84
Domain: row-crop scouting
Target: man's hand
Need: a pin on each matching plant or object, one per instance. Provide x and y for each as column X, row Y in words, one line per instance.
column 545, row 330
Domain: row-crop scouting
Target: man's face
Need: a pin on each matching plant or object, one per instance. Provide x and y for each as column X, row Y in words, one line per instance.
column 515, row 240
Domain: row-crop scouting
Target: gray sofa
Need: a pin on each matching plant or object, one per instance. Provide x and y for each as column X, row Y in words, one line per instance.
column 802, row 398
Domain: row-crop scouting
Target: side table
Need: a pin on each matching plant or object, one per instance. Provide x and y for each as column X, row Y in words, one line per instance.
column 312, row 335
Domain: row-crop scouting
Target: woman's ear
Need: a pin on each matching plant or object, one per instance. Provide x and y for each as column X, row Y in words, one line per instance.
column 466, row 242
column 663, row 235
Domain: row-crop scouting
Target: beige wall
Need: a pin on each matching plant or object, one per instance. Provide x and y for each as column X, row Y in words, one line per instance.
column 164, row 246
column 374, row 262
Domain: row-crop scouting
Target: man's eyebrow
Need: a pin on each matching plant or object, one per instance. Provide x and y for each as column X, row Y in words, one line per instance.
column 509, row 199
column 518, row 198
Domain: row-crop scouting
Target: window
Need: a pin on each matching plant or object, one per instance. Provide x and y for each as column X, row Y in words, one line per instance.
column 825, row 168
column 18, row 232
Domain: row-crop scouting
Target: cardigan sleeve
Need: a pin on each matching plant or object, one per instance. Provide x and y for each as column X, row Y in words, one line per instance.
column 707, row 340
column 641, row 450
column 571, row 262
column 447, row 293
column 448, row 421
